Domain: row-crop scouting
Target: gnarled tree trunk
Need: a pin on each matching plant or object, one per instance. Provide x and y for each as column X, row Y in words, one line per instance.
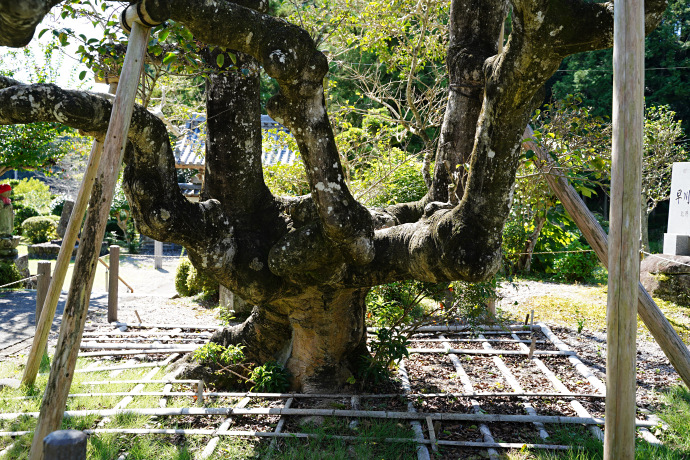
column 307, row 262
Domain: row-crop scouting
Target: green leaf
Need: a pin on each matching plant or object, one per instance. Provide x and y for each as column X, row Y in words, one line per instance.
column 163, row 35
column 220, row 59
column 40, row 34
column 233, row 58
column 186, row 34
column 82, row 74
column 169, row 58
column 529, row 154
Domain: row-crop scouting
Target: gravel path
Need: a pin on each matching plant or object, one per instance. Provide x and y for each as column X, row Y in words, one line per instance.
column 152, row 300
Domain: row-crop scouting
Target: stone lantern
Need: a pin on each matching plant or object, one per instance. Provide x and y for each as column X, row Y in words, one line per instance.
column 8, row 243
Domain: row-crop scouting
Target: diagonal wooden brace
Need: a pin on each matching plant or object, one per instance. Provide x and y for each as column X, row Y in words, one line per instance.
column 74, row 317
column 650, row 313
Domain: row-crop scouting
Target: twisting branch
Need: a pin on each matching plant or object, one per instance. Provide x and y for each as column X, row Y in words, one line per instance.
column 289, row 55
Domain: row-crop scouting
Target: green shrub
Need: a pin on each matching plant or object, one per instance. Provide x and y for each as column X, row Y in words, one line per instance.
column 21, row 213
column 9, row 274
column 269, row 378
column 199, row 282
column 576, row 266
column 34, row 193
column 39, row 229
column 181, row 275
column 56, row 205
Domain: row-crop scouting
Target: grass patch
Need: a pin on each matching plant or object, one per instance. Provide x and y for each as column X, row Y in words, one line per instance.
column 587, row 309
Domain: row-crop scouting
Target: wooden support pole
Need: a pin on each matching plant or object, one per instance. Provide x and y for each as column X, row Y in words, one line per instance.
column 112, row 283
column 74, row 317
column 107, row 267
column 65, row 445
column 624, row 245
column 44, row 321
column 650, row 313
column 42, row 286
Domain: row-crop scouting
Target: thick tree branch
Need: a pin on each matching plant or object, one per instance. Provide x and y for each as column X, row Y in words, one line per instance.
column 233, row 139
column 289, row 55
column 474, row 27
column 18, row 20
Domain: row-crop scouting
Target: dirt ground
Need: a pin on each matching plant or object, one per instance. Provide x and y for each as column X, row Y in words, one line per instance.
column 654, row 371
column 154, row 300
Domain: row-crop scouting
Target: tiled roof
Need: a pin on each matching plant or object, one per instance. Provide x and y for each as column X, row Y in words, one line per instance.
column 189, row 150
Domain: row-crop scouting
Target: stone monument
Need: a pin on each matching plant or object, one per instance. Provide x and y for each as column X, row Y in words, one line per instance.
column 8, row 243
column 668, row 276
column 677, row 240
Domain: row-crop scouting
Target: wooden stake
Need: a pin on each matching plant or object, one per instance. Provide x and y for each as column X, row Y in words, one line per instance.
column 112, row 283
column 624, row 245
column 650, row 313
column 42, row 286
column 74, row 317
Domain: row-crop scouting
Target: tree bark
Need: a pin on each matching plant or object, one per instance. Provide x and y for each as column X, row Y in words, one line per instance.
column 525, row 261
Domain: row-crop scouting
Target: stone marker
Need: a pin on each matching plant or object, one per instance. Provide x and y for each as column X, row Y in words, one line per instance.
column 228, row 299
column 64, row 217
column 677, row 238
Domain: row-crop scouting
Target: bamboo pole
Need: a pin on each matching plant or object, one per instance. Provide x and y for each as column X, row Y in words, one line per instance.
column 144, row 334
column 276, row 411
column 422, row 451
column 624, row 246
column 466, row 382
column 650, row 313
column 272, row 434
column 515, row 385
column 470, row 351
column 168, row 326
column 107, row 267
column 213, row 443
column 138, row 346
column 74, row 317
column 410, row 396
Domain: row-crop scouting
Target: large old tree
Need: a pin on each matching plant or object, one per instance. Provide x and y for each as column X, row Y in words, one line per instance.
column 308, row 262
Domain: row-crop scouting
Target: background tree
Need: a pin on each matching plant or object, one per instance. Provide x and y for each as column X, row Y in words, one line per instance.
column 308, row 262
column 662, row 136
column 34, row 146
column 667, row 60
column 579, row 143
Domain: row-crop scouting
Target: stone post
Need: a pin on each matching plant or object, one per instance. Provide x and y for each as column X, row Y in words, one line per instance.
column 65, row 445
column 64, row 217
column 677, row 238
